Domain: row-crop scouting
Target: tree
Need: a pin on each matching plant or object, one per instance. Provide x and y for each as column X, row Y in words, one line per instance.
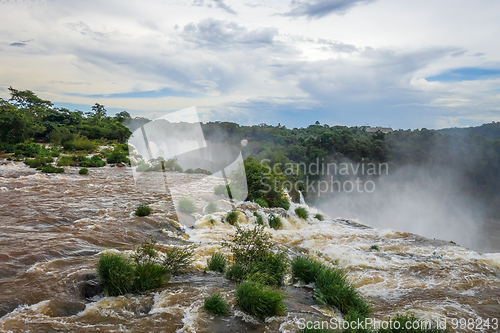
column 99, row 111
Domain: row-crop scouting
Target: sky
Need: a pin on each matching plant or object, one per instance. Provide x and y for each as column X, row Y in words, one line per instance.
column 403, row 64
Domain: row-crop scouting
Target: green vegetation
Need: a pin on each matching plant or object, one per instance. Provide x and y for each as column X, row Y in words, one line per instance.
column 319, row 217
column 52, row 169
column 259, row 300
column 149, row 274
column 261, row 202
column 259, row 219
column 94, row 162
column 374, row 247
column 81, row 160
column 305, row 269
column 79, row 143
column 275, row 221
column 217, row 262
column 302, row 213
column 39, row 161
column 143, row 210
column 83, row 171
column 116, row 273
column 222, row 190
column 216, row 304
column 119, row 155
column 178, row 260
column 232, row 217
column 211, row 207
column 198, row 170
column 211, row 221
column 409, row 319
column 186, row 205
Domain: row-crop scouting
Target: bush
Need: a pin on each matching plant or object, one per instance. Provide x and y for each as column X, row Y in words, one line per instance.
column 148, row 273
column 118, row 156
column 275, row 222
column 374, row 247
column 331, row 288
column 217, row 262
column 52, row 169
column 261, row 202
column 116, row 273
column 270, row 271
column 67, row 160
column 80, row 143
column 232, row 217
column 83, row 171
column 216, row 304
column 143, row 210
column 259, row 300
column 259, row 220
column 39, row 161
column 94, row 162
column 178, row 260
column 305, row 269
column 186, row 205
column 211, row 207
column 236, row 272
column 283, row 203
column 249, row 245
column 27, row 149
column 221, row 190
column 302, row 213
column 319, row 217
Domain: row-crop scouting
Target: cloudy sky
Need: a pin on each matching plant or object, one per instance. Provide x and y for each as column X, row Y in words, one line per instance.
column 405, row 64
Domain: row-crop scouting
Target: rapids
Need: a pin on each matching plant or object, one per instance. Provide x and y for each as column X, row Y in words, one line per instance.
column 53, row 227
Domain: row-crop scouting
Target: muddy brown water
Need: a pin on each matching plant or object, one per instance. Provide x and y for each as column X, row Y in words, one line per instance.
column 53, row 227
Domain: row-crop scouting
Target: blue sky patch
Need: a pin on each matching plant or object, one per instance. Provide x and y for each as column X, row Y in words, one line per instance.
column 165, row 92
column 465, row 74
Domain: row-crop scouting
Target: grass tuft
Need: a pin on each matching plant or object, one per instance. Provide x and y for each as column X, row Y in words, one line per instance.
column 211, row 207
column 305, row 269
column 216, row 304
column 143, row 210
column 179, row 259
column 232, row 217
column 319, row 217
column 260, row 219
column 261, row 202
column 301, row 212
column 374, row 247
column 217, row 262
column 186, row 205
column 259, row 300
column 275, row 222
column 83, row 171
column 116, row 273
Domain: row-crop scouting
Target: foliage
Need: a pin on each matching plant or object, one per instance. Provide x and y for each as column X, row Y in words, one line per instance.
column 216, row 304
column 232, row 217
column 211, row 207
column 52, row 169
column 221, row 190
column 259, row 300
column 83, row 171
column 217, row 262
column 119, row 155
column 261, row 202
column 186, row 205
column 319, row 217
column 302, row 213
column 39, row 161
column 305, row 269
column 27, row 149
column 259, row 219
column 149, row 274
column 116, row 273
column 374, row 247
column 179, row 259
column 270, row 271
column 275, row 221
column 95, row 162
column 249, row 245
column 236, row 272
column 143, row 210
column 81, row 144
column 198, row 170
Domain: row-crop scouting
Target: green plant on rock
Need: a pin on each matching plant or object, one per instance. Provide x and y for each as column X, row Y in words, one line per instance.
column 149, row 274
column 374, row 248
column 179, row 259
column 275, row 221
column 116, row 273
column 211, row 207
column 319, row 217
column 259, row 219
column 216, row 304
column 39, row 161
column 261, row 202
column 305, row 269
column 186, row 205
column 232, row 217
column 259, row 300
column 52, row 169
column 143, row 210
column 302, row 213
column 217, row 262
column 83, row 171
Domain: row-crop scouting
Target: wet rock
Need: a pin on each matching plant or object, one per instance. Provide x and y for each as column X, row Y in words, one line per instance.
column 62, row 308
column 90, row 286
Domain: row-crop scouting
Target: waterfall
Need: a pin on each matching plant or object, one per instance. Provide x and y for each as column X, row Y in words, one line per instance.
column 302, row 201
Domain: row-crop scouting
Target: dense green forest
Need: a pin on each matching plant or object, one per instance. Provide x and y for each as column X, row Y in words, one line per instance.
column 473, row 153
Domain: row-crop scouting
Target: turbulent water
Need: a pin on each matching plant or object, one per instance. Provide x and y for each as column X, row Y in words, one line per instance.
column 53, row 227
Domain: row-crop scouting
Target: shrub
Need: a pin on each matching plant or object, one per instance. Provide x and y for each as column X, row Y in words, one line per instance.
column 178, row 260
column 27, row 149
column 80, row 143
column 259, row 220
column 211, row 207
column 319, row 217
column 39, row 161
column 283, row 203
column 94, row 162
column 259, row 300
column 216, row 304
column 83, row 171
column 148, row 273
column 305, row 269
column 67, row 160
column 331, row 288
column 118, row 156
column 143, row 210
column 301, row 212
column 116, row 273
column 409, row 319
column 232, row 217
column 186, row 205
column 374, row 247
column 261, row 202
column 249, row 245
column 217, row 262
column 52, row 169
column 270, row 271
column 275, row 222
column 236, row 272
column 221, row 190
